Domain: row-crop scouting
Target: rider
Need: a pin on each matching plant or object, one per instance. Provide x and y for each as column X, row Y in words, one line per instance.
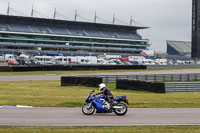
column 106, row 92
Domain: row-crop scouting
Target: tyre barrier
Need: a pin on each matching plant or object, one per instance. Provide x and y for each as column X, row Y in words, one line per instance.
column 167, row 87
column 80, row 81
column 5, row 69
column 69, row 67
column 138, row 85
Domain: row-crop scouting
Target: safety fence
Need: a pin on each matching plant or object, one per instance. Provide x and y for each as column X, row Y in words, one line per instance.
column 151, row 78
column 182, row 87
column 182, row 66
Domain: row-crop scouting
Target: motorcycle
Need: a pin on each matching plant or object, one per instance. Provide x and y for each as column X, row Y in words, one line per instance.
column 102, row 106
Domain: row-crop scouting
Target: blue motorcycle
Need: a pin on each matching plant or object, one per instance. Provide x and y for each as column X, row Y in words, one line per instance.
column 102, row 106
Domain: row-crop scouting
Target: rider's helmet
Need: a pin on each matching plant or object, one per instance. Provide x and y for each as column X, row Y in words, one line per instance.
column 101, row 86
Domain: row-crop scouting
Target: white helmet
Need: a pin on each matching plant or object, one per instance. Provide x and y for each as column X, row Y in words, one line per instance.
column 101, row 86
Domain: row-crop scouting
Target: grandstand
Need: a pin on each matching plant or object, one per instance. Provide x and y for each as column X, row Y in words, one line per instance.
column 181, row 48
column 29, row 33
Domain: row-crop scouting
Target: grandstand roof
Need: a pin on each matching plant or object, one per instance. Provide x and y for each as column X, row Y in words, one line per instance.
column 56, row 22
column 178, row 47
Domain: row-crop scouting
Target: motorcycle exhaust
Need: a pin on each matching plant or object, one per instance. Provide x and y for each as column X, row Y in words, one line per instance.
column 116, row 107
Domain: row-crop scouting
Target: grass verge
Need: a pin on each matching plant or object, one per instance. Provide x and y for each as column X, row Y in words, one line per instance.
column 51, row 94
column 137, row 129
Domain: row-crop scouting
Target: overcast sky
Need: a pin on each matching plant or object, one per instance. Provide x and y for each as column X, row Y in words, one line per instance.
column 167, row 19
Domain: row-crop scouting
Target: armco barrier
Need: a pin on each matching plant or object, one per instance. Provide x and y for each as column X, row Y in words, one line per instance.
column 140, row 86
column 173, row 66
column 172, row 87
column 152, row 78
column 84, row 81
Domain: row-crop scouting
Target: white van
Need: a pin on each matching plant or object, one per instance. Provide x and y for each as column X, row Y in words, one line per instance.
column 91, row 59
column 161, row 61
column 3, row 61
column 61, row 60
column 72, row 60
column 44, row 60
column 8, row 57
column 81, row 60
column 148, row 62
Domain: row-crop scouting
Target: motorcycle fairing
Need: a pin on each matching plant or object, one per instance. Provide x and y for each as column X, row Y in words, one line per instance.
column 98, row 104
column 121, row 98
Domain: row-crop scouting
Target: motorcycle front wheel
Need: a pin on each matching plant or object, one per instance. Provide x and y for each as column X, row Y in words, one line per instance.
column 122, row 110
column 88, row 109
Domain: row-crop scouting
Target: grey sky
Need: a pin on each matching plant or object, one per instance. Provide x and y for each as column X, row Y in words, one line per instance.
column 168, row 19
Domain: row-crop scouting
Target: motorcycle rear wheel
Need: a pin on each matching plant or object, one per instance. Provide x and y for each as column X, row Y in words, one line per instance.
column 122, row 111
column 86, row 110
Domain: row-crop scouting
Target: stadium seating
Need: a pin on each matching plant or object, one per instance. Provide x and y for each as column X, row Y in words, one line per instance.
column 178, row 47
column 109, row 34
column 76, row 31
column 135, row 36
column 68, row 31
column 94, row 33
column 40, row 29
column 181, row 47
column 124, row 35
column 52, row 34
column 60, row 31
column 4, row 27
column 20, row 28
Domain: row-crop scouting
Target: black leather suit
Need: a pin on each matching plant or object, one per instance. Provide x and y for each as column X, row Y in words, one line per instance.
column 108, row 95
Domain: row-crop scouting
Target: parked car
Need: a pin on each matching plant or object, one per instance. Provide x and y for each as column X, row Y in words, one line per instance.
column 13, row 62
column 23, row 61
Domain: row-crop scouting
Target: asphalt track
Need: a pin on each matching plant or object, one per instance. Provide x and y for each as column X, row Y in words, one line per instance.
column 58, row 77
column 73, row 117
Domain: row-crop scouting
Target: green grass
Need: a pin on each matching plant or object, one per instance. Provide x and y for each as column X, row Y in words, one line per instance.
column 137, row 129
column 51, row 94
column 78, row 72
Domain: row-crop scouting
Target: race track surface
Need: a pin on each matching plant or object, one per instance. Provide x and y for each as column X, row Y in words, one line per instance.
column 50, row 116
column 58, row 77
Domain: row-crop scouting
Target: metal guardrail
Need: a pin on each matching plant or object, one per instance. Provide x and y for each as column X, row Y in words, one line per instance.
column 182, row 87
column 151, row 78
column 183, row 66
